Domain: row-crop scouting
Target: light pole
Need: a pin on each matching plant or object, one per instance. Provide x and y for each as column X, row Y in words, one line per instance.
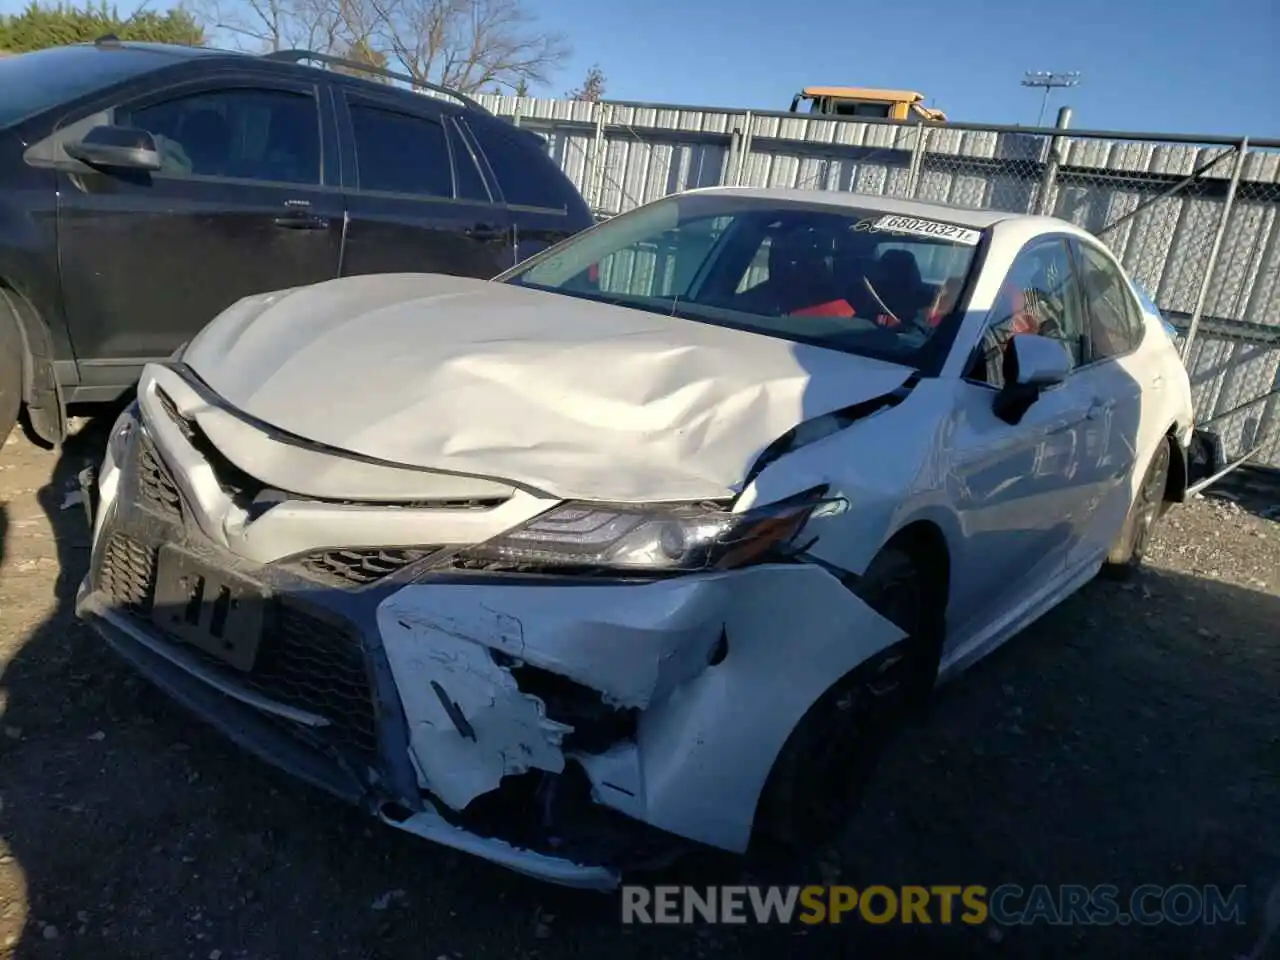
column 1049, row 80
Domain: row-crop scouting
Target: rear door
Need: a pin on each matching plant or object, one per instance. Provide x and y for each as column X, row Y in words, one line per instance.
column 545, row 206
column 248, row 201
column 1116, row 376
column 416, row 199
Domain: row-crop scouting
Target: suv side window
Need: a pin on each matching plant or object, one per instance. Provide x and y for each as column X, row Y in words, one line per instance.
column 1115, row 322
column 251, row 134
column 400, row 152
column 1040, row 295
column 521, row 167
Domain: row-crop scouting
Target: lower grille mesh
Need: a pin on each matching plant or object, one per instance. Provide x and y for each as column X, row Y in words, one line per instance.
column 304, row 662
column 357, row 568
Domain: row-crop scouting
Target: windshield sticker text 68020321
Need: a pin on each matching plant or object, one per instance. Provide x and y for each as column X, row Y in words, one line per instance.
column 895, row 223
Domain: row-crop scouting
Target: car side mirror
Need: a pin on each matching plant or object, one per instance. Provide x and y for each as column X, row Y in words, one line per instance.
column 121, row 148
column 1032, row 364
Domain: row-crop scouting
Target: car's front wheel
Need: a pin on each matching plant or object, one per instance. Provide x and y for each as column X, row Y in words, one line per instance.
column 1127, row 553
column 819, row 777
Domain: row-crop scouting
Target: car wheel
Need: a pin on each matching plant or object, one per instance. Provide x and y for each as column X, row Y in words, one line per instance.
column 819, row 777
column 1131, row 546
column 10, row 375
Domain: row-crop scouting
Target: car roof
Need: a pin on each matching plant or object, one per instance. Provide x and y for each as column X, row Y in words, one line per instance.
column 962, row 216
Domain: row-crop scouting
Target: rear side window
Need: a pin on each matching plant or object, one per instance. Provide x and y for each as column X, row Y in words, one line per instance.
column 400, row 153
column 526, row 175
column 1115, row 323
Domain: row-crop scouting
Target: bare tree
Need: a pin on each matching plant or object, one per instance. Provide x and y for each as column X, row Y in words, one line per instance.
column 592, row 86
column 469, row 45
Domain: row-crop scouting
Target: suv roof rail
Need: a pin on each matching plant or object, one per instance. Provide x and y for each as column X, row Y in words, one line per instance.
column 299, row 55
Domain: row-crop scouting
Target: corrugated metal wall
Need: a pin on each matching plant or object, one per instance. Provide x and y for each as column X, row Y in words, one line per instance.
column 623, row 155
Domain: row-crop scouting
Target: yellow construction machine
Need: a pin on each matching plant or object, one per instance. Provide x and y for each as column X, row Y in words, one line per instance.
column 866, row 102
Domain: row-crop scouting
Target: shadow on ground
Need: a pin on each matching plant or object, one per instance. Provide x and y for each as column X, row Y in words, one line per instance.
column 1130, row 737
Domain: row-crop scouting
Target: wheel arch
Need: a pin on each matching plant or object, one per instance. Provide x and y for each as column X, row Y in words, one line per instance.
column 41, row 393
column 1175, row 488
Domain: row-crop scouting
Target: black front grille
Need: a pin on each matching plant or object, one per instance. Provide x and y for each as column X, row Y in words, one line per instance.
column 304, row 662
column 155, row 486
column 359, row 567
column 128, row 574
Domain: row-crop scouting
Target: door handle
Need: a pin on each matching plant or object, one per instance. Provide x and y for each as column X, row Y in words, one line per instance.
column 301, row 221
column 485, row 232
column 1098, row 410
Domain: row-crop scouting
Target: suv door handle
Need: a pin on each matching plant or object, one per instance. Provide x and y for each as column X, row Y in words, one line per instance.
column 301, row 221
column 485, row 231
column 1099, row 409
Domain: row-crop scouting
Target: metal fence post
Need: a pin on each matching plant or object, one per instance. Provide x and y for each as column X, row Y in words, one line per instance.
column 917, row 159
column 744, row 148
column 1053, row 161
column 731, row 158
column 1215, row 248
column 595, row 161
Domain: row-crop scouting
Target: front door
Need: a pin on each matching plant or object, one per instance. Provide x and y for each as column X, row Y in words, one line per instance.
column 240, row 207
column 1023, row 491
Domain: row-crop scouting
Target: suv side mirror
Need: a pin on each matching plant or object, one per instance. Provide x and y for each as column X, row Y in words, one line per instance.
column 124, row 148
column 1032, row 364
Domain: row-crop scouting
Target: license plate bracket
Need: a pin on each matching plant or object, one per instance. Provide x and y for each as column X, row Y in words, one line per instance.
column 217, row 611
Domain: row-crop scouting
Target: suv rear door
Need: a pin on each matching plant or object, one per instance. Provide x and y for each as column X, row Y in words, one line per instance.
column 545, row 205
column 416, row 200
column 248, row 202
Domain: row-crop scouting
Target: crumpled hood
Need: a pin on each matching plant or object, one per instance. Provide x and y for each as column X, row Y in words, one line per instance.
column 575, row 398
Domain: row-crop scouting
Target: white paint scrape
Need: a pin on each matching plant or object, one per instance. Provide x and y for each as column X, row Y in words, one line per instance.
column 503, row 731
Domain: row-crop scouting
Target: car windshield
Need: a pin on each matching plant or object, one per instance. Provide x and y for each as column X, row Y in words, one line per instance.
column 854, row 279
column 34, row 82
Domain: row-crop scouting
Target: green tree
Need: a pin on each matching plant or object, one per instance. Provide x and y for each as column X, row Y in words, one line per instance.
column 44, row 25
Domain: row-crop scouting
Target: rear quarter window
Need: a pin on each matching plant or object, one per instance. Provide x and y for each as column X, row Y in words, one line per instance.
column 527, row 176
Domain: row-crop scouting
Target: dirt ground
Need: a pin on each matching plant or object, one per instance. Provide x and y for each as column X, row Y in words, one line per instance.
column 1132, row 736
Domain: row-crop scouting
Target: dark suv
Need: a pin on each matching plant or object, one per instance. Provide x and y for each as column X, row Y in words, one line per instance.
column 144, row 188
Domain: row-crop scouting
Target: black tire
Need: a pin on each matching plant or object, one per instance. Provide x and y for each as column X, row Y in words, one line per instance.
column 1127, row 554
column 10, row 373
column 819, row 778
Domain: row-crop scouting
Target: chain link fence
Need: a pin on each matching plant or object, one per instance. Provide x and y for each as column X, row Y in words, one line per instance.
column 1196, row 221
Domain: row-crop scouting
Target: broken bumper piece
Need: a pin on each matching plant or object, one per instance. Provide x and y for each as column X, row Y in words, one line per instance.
column 243, row 719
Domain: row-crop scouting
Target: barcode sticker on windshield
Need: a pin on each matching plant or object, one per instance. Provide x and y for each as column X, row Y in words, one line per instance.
column 928, row 228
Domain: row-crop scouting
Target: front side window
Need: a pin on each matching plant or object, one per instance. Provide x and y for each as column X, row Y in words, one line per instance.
column 401, row 153
column 855, row 280
column 1040, row 295
column 271, row 135
column 1115, row 323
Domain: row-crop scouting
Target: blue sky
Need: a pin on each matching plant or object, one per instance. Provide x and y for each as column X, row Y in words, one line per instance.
column 1166, row 65
column 1162, row 65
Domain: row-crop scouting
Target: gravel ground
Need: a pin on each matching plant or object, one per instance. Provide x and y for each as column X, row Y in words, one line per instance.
column 1132, row 736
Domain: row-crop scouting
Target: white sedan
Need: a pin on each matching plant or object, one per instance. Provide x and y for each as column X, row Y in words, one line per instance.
column 649, row 542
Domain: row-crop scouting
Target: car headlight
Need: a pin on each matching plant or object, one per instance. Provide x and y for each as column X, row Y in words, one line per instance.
column 661, row 537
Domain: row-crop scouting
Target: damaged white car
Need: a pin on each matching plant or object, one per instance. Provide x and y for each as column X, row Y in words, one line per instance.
column 646, row 543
